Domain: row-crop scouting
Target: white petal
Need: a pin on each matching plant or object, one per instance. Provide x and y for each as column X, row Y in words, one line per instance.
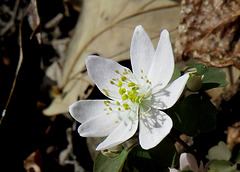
column 85, row 110
column 168, row 96
column 163, row 63
column 141, row 52
column 99, row 126
column 202, row 168
column 172, row 170
column 123, row 132
column 188, row 162
column 102, row 71
column 154, row 127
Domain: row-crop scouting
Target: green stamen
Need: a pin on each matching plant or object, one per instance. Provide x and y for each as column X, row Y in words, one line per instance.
column 123, row 78
column 131, row 84
column 124, row 97
column 122, row 91
column 119, row 83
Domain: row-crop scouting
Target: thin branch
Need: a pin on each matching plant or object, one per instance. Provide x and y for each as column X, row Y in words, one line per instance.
column 16, row 74
column 11, row 22
column 185, row 145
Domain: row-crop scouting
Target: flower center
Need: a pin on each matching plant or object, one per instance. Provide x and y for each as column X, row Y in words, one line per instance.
column 132, row 93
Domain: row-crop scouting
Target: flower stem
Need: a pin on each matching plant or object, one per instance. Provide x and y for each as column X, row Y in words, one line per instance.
column 184, row 144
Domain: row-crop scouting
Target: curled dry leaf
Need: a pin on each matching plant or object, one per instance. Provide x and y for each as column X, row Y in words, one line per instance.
column 105, row 27
column 33, row 162
column 209, row 31
column 34, row 19
column 233, row 135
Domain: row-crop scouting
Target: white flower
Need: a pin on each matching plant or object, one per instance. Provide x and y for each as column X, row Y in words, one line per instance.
column 137, row 97
column 188, row 162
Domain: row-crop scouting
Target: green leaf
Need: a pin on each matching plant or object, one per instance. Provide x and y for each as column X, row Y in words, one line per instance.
column 195, row 114
column 156, row 159
column 221, row 166
column 219, row 152
column 238, row 158
column 176, row 74
column 103, row 163
column 213, row 77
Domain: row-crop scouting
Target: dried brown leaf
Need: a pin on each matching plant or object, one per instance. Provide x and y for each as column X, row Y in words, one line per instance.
column 33, row 162
column 233, row 135
column 34, row 19
column 210, row 31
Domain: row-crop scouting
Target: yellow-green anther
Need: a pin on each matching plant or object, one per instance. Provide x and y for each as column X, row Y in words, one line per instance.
column 111, row 82
column 117, row 71
column 134, row 90
column 124, row 97
column 131, row 84
column 122, row 91
column 119, row 83
column 106, row 92
column 126, row 106
column 117, row 103
column 137, row 99
column 123, row 78
column 131, row 96
column 137, row 88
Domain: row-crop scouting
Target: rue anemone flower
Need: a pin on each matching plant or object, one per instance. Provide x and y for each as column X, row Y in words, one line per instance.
column 189, row 163
column 136, row 98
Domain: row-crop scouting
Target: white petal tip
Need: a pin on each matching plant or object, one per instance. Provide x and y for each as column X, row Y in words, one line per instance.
column 89, row 57
column 139, row 27
column 138, row 30
column 165, row 32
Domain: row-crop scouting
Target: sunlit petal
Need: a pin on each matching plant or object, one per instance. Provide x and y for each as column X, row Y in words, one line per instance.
column 163, row 63
column 125, row 130
column 99, row 126
column 154, row 127
column 84, row 110
column 168, row 96
column 141, row 52
column 102, row 71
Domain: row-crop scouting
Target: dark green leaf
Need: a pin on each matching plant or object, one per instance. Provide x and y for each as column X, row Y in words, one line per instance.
column 176, row 74
column 195, row 114
column 156, row 159
column 103, row 163
column 213, row 77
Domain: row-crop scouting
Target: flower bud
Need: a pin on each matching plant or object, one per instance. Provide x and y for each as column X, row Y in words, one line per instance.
column 195, row 83
column 112, row 152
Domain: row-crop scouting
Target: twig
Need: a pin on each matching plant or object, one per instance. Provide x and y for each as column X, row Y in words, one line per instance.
column 17, row 71
column 185, row 145
column 11, row 22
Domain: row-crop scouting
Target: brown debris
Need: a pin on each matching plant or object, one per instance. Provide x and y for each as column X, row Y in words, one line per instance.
column 233, row 135
column 33, row 162
column 209, row 31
